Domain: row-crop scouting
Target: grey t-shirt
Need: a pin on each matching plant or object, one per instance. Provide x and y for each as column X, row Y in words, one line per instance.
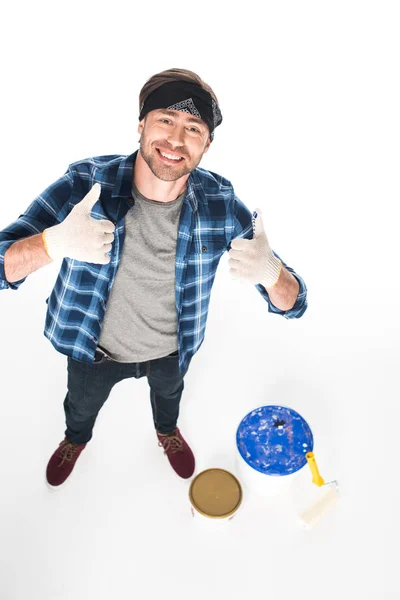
column 140, row 322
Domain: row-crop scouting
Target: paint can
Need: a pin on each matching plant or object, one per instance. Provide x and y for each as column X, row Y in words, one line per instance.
column 272, row 442
column 215, row 494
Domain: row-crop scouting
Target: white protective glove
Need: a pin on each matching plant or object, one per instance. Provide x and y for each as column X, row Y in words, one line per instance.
column 80, row 236
column 253, row 260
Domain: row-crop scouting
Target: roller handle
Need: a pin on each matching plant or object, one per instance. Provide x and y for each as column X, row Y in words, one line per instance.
column 316, row 477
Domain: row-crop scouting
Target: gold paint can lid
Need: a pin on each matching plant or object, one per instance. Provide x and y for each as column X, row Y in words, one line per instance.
column 215, row 493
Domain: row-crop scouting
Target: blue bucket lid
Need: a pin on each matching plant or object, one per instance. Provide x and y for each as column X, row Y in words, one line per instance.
column 274, row 440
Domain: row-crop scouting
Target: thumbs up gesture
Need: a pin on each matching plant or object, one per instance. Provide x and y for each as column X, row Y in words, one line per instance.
column 253, row 260
column 80, row 236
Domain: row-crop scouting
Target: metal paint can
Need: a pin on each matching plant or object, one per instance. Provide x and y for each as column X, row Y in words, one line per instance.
column 272, row 443
column 215, row 494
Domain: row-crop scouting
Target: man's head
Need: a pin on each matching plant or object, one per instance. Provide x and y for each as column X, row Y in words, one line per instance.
column 178, row 115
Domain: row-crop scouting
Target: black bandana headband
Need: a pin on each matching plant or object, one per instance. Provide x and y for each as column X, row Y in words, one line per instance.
column 187, row 97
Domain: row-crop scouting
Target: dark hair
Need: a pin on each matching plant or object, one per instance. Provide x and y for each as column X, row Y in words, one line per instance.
column 172, row 75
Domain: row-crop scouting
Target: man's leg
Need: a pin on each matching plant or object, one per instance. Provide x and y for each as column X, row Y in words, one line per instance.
column 88, row 388
column 166, row 387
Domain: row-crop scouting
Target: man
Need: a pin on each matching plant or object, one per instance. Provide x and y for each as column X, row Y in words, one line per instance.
column 141, row 237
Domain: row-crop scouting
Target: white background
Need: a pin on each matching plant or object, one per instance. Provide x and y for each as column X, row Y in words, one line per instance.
column 309, row 93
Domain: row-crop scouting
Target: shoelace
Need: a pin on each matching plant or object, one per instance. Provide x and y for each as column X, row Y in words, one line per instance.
column 171, row 442
column 67, row 453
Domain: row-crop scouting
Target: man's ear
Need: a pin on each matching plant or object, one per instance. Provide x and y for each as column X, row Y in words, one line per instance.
column 208, row 144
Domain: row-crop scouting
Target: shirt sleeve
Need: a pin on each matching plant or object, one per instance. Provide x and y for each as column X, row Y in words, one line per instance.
column 45, row 211
column 242, row 227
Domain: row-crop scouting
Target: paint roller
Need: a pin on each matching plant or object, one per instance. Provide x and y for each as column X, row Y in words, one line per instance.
column 326, row 500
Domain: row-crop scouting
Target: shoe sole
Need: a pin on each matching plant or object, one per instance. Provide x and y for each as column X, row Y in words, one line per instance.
column 54, row 488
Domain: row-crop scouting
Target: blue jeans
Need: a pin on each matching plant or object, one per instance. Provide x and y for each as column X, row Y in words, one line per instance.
column 89, row 386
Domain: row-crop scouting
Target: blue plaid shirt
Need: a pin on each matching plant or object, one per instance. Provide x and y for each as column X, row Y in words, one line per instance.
column 211, row 217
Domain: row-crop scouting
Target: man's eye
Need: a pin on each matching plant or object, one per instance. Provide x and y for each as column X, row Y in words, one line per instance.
column 192, row 128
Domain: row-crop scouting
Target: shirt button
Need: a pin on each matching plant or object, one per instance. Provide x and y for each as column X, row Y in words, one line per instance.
column 204, row 248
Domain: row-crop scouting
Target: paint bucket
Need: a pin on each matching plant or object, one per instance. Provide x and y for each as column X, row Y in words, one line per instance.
column 272, row 443
column 215, row 494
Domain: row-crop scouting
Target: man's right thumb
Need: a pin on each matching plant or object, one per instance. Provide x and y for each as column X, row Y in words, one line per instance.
column 91, row 198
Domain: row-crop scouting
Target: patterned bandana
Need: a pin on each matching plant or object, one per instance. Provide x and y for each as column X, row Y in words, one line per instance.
column 187, row 97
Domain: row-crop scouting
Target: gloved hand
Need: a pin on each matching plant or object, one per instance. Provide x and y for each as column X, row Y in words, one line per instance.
column 253, row 260
column 80, row 236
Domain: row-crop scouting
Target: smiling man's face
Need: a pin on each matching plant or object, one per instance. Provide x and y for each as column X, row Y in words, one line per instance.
column 177, row 134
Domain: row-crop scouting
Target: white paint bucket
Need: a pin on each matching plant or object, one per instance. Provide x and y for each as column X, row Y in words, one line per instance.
column 215, row 494
column 272, row 442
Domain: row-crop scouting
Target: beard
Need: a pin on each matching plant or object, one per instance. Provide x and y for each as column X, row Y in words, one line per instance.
column 161, row 170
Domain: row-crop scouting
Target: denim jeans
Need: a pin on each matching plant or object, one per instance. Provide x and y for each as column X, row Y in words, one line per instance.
column 89, row 386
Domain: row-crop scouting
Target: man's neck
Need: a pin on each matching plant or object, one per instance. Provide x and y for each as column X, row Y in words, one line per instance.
column 153, row 188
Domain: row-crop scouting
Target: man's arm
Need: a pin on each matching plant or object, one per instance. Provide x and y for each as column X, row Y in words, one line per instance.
column 284, row 293
column 24, row 257
column 21, row 245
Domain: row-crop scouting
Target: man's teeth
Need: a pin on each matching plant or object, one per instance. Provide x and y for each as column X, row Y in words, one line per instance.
column 170, row 156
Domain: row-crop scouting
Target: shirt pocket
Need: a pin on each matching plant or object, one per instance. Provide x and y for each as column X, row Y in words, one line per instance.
column 206, row 249
column 203, row 258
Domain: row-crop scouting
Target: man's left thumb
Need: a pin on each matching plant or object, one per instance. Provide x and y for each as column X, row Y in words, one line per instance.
column 258, row 223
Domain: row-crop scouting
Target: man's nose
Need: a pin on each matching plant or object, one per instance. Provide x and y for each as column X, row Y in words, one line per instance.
column 176, row 135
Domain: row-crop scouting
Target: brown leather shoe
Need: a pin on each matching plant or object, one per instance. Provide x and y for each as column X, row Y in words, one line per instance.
column 178, row 452
column 62, row 462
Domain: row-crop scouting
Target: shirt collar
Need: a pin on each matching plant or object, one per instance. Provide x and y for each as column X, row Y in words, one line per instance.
column 123, row 182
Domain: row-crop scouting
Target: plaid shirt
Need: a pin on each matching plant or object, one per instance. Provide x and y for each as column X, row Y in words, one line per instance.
column 211, row 217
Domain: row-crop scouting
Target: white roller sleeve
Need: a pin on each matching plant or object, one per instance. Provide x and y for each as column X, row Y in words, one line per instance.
column 80, row 236
column 312, row 515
